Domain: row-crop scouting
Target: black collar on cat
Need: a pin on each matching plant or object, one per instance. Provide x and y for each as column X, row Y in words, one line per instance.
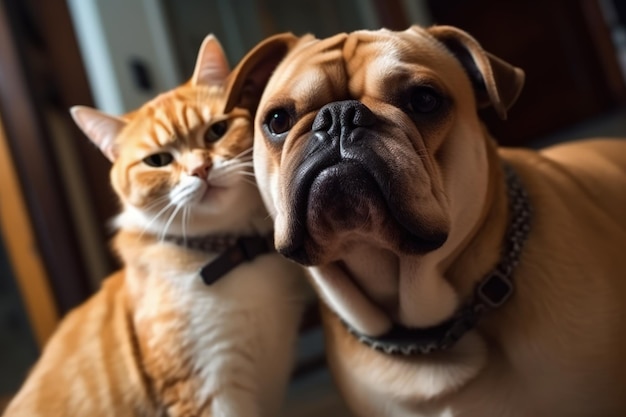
column 233, row 252
column 490, row 293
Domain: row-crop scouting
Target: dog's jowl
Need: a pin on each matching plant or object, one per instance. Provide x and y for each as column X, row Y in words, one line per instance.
column 458, row 278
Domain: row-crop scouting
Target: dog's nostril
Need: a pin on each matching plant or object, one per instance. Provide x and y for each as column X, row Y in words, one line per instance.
column 339, row 115
column 323, row 121
column 361, row 115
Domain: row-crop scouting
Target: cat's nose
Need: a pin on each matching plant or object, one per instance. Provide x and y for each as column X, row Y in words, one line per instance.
column 201, row 171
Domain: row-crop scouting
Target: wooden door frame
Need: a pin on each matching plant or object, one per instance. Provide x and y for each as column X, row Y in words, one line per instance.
column 29, row 145
column 21, row 246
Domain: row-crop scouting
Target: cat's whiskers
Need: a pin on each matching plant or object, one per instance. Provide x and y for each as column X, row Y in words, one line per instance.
column 235, row 167
column 253, row 183
column 182, row 195
column 271, row 214
column 184, row 221
column 169, row 221
column 235, row 164
column 174, row 203
column 249, row 178
column 157, row 202
column 244, row 156
column 241, row 165
column 233, row 177
column 180, row 201
column 155, row 217
column 246, row 152
column 226, row 173
column 238, row 169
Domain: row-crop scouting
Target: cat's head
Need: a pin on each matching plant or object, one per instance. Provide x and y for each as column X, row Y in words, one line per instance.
column 180, row 165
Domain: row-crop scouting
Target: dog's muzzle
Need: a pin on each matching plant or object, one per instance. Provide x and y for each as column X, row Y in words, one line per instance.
column 346, row 180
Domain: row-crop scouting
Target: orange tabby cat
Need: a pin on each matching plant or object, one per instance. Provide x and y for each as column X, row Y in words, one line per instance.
column 157, row 340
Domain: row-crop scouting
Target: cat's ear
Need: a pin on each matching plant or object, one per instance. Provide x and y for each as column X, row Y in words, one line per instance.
column 247, row 81
column 100, row 128
column 211, row 65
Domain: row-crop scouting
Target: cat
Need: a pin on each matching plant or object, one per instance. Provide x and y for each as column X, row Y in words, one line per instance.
column 156, row 339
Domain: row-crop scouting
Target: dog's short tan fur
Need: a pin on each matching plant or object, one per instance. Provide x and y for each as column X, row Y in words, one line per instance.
column 558, row 346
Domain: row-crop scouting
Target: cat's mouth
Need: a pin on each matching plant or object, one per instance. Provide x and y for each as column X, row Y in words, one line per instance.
column 192, row 191
column 210, row 193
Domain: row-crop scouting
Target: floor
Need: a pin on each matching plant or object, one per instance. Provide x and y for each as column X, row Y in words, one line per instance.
column 313, row 394
column 18, row 349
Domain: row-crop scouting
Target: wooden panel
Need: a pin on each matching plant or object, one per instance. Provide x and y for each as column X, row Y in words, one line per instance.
column 565, row 49
column 19, row 239
column 392, row 14
column 60, row 65
column 31, row 151
column 65, row 67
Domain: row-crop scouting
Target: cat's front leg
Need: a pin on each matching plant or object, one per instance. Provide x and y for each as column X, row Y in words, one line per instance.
column 238, row 402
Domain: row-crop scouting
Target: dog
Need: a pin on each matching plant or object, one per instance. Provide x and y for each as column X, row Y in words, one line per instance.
column 458, row 278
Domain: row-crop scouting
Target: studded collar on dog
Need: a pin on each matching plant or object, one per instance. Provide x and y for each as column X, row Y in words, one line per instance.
column 233, row 251
column 491, row 292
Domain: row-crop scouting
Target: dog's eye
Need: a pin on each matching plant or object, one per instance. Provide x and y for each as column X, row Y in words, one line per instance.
column 216, row 131
column 279, row 121
column 424, row 100
column 158, row 160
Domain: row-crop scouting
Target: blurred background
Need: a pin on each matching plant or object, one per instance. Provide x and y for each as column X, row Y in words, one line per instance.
column 55, row 198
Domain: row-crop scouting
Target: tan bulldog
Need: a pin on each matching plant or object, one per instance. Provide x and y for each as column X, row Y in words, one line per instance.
column 460, row 279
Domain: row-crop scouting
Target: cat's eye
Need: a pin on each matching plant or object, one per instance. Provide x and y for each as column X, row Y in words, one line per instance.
column 278, row 121
column 216, row 131
column 159, row 159
column 424, row 100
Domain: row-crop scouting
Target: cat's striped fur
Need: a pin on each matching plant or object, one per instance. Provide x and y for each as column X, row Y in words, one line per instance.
column 155, row 340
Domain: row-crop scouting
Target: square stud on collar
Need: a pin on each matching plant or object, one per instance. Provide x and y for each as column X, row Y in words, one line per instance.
column 495, row 290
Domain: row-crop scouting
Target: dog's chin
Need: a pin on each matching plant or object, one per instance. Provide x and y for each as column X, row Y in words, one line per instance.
column 345, row 202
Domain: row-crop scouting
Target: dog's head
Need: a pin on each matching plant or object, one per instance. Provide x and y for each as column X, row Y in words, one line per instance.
column 371, row 158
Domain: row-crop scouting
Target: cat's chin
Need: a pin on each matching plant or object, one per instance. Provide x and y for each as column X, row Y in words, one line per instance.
column 209, row 199
column 202, row 209
column 212, row 192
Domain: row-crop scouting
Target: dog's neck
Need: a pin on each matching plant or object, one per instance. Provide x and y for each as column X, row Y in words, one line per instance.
column 482, row 251
column 421, row 290
column 376, row 290
column 437, row 284
column 489, row 292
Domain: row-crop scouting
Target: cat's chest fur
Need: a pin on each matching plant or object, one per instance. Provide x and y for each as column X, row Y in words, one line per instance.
column 210, row 348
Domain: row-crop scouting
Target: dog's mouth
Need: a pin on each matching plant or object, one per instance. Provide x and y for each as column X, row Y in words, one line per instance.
column 351, row 180
column 335, row 201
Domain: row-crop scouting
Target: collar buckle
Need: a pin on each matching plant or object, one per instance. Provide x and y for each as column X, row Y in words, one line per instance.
column 495, row 290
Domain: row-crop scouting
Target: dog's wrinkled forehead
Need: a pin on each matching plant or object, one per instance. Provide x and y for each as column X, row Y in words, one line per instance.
column 306, row 72
column 357, row 64
column 383, row 51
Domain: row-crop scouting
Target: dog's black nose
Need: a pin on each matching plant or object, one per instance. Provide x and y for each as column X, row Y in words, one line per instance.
column 341, row 118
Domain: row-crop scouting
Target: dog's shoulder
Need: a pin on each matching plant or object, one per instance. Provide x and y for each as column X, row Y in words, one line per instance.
column 594, row 170
column 602, row 158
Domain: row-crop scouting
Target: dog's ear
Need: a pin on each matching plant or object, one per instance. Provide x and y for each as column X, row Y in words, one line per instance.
column 496, row 82
column 247, row 81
